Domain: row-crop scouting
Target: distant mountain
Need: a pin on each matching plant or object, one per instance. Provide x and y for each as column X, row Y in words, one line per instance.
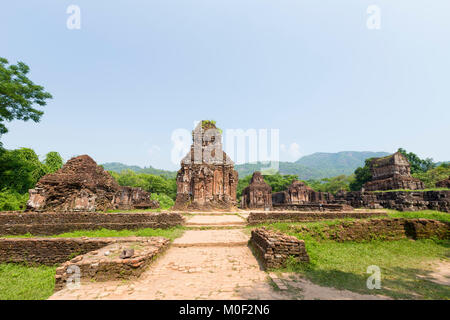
column 119, row 167
column 315, row 166
column 333, row 164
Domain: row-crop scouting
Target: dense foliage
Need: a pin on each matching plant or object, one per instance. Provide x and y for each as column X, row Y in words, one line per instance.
column 332, row 185
column 362, row 175
column 434, row 175
column 165, row 202
column 11, row 200
column 20, row 170
column 148, row 182
column 417, row 165
column 277, row 181
column 19, row 95
column 119, row 167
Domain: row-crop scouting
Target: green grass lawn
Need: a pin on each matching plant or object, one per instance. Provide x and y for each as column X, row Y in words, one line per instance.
column 170, row 233
column 343, row 265
column 20, row 282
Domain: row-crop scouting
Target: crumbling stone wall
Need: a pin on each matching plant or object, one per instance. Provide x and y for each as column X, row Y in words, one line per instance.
column 274, row 248
column 51, row 251
column 258, row 194
column 381, row 229
column 312, row 207
column 49, row 223
column 390, row 173
column 398, row 200
column 109, row 263
column 298, row 193
column 207, row 179
column 82, row 185
column 298, row 216
column 443, row 183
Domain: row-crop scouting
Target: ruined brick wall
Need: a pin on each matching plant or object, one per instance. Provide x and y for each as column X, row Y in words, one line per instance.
column 298, row 216
column 51, row 251
column 311, row 207
column 443, row 183
column 381, row 229
column 398, row 200
column 274, row 248
column 49, row 223
column 129, row 198
column 82, row 185
column 107, row 264
column 299, row 193
column 258, row 194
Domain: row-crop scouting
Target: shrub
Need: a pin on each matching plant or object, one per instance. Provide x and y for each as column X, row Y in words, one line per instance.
column 165, row 202
column 11, row 200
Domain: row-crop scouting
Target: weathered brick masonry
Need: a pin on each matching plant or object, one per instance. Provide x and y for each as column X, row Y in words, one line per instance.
column 311, row 207
column 385, row 229
column 49, row 223
column 50, row 251
column 293, row 216
column 273, row 248
column 107, row 263
column 398, row 200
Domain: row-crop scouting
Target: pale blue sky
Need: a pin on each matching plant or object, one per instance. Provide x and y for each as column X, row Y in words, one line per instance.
column 137, row 70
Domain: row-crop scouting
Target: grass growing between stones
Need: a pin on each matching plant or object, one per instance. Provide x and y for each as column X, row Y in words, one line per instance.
column 405, row 264
column 20, row 282
column 427, row 214
column 170, row 233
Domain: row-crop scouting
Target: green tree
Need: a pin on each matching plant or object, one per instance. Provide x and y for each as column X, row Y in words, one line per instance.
column 434, row 175
column 277, row 181
column 19, row 95
column 53, row 162
column 20, row 170
column 148, row 182
column 417, row 164
column 332, row 185
column 362, row 175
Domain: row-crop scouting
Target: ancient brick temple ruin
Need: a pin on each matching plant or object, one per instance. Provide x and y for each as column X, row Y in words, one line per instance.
column 443, row 183
column 299, row 193
column 82, row 185
column 207, row 179
column 258, row 194
column 390, row 173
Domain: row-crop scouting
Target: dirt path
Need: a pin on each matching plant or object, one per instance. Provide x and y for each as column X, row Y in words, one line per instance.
column 207, row 264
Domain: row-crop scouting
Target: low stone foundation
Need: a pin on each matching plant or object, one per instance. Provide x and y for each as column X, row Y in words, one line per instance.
column 257, row 217
column 274, row 248
column 382, row 229
column 51, row 251
column 311, row 207
column 108, row 263
column 50, row 223
column 398, row 200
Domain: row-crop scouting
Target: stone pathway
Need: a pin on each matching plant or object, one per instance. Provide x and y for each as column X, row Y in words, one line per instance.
column 207, row 264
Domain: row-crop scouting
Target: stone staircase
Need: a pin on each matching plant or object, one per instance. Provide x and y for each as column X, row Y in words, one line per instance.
column 213, row 229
